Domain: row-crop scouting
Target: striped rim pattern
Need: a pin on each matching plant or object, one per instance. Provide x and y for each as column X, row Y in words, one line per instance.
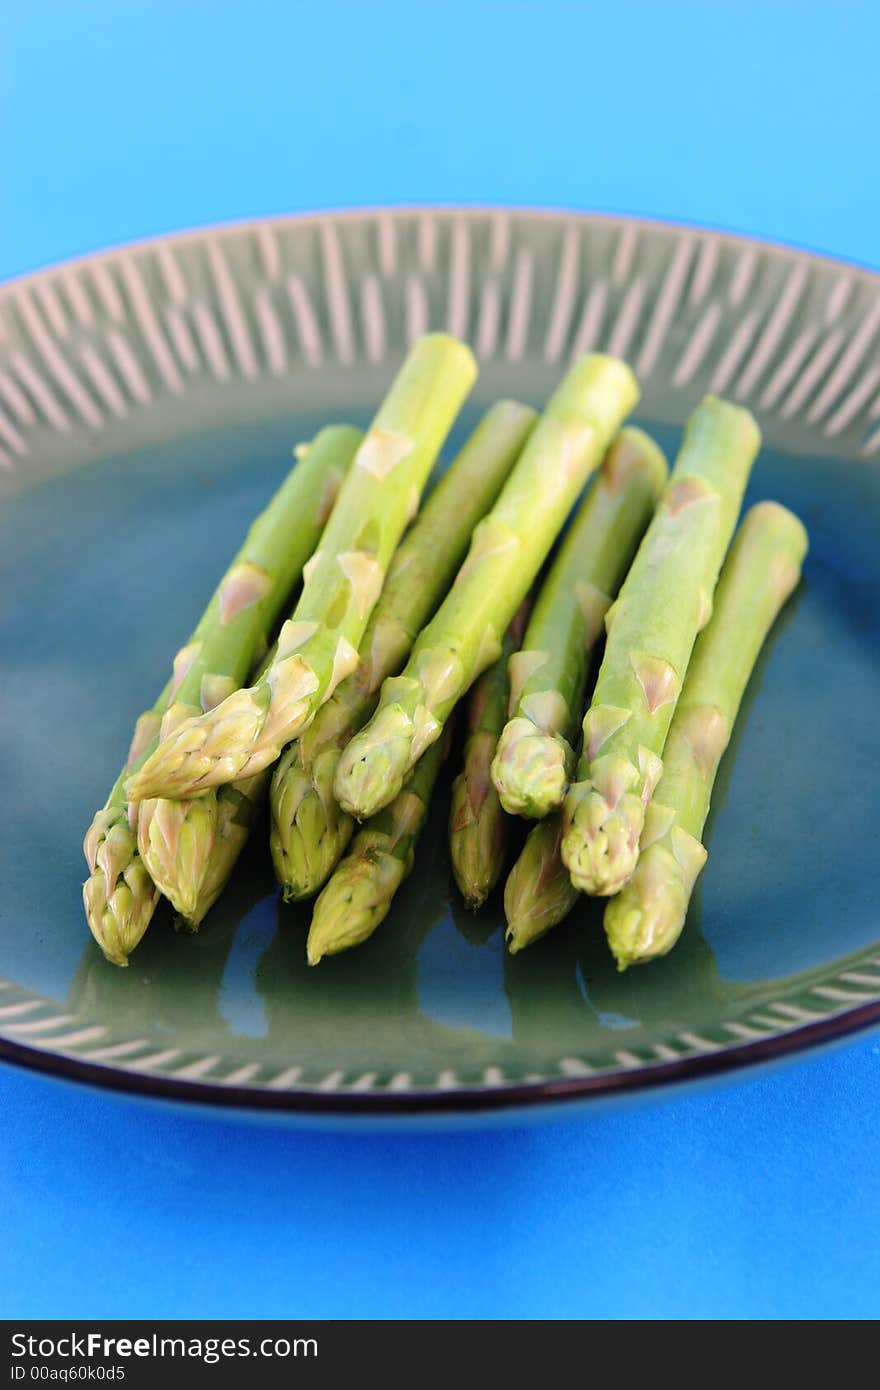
column 197, row 316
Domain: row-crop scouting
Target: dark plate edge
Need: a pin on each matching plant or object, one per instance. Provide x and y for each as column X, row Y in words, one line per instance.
column 483, row 1100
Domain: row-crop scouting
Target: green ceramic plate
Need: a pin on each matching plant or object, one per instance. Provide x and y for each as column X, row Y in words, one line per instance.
column 149, row 399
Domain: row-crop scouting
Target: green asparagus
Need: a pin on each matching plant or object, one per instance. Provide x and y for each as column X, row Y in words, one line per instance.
column 310, row 831
column 535, row 760
column 477, row 824
column 238, row 805
column 665, row 600
column 762, row 569
column 193, row 882
column 176, row 839
column 317, row 647
column 120, row 895
column 508, row 548
column 359, row 893
column 539, row 891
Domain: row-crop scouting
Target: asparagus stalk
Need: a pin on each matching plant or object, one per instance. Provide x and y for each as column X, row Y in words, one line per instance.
column 310, row 831
column 665, row 600
column 120, row 895
column 539, row 892
column 762, row 569
column 534, row 761
column 508, row 548
column 359, row 893
column 317, row 647
column 177, row 840
column 477, row 824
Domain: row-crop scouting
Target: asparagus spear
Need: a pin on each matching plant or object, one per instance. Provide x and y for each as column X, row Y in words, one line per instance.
column 120, row 895
column 477, row 823
column 534, row 761
column 309, row 829
column 539, row 891
column 762, row 569
column 508, row 548
column 665, row 600
column 177, row 839
column 317, row 647
column 359, row 893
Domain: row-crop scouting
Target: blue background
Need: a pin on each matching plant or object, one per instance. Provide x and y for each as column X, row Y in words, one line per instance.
column 120, row 120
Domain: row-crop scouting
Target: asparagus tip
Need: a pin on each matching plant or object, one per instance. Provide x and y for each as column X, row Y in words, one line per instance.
column 647, row 917
column 373, row 766
column 352, row 904
column 474, row 896
column 512, row 939
column 119, row 896
column 600, row 846
column 530, row 769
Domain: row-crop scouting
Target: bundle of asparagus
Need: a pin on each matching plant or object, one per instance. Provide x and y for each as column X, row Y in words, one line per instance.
column 534, row 761
column 120, row 894
column 391, row 631
column 761, row 571
column 666, row 598
column 565, row 628
column 317, row 647
column 309, row 829
column 508, row 549
column 645, row 919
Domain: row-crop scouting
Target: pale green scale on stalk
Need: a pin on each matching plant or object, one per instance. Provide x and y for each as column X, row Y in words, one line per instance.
column 310, row 831
column 535, row 760
column 120, row 894
column 509, row 547
column 317, row 646
column 359, row 893
column 761, row 571
column 478, row 825
column 665, row 600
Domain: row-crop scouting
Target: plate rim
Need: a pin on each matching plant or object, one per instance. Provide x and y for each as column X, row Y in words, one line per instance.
column 355, row 211
column 553, row 1092
column 486, row 1100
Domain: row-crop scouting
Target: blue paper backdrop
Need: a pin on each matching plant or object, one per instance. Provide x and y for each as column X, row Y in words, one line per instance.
column 123, row 118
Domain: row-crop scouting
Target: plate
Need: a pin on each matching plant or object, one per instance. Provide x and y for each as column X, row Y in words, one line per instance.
column 149, row 399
